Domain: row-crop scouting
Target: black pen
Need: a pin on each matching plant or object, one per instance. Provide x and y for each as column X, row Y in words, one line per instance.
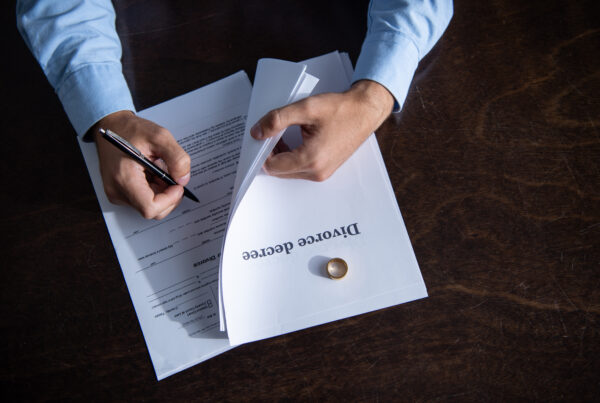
column 137, row 155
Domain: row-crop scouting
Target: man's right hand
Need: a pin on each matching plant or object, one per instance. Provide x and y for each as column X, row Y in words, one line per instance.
column 125, row 181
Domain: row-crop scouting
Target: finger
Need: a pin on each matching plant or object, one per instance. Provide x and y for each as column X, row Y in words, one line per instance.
column 285, row 163
column 165, row 147
column 315, row 176
column 279, row 119
column 143, row 198
column 161, row 164
column 297, row 175
column 163, row 214
column 309, row 156
column 177, row 197
column 167, row 211
column 305, row 162
column 157, row 185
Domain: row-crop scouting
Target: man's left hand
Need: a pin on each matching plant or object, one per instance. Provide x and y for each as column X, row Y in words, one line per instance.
column 333, row 126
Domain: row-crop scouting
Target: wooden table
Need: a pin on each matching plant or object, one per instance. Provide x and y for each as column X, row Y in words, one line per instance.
column 495, row 161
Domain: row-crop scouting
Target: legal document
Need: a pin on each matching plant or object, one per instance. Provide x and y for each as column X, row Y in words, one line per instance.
column 250, row 257
column 283, row 232
column 171, row 266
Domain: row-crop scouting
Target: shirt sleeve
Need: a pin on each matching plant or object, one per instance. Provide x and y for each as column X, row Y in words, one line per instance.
column 77, row 46
column 399, row 34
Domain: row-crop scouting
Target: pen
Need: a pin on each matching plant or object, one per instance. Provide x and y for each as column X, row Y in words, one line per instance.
column 140, row 158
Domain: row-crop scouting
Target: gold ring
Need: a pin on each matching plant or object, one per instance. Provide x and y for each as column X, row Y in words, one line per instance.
column 337, row 268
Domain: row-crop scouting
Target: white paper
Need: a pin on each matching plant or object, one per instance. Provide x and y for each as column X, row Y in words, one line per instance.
column 272, row 285
column 171, row 266
column 276, row 83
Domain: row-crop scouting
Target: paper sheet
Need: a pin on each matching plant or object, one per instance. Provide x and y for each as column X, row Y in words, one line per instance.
column 276, row 83
column 284, row 231
column 171, row 266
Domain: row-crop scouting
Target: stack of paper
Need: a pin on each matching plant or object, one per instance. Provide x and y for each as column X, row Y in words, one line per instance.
column 270, row 238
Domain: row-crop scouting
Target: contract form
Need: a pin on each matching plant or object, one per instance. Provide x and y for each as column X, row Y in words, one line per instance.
column 171, row 266
column 249, row 257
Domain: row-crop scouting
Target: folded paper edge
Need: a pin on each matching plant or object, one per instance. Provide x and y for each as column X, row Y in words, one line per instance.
column 305, row 84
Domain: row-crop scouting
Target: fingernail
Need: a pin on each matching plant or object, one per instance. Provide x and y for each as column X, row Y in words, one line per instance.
column 184, row 180
column 256, row 132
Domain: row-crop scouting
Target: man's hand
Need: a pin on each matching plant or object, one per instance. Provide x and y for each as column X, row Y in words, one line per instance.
column 333, row 126
column 125, row 181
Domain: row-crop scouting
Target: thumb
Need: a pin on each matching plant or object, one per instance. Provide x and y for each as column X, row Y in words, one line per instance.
column 280, row 119
column 165, row 146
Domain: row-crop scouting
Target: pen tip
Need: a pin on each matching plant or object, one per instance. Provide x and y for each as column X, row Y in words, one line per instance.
column 190, row 195
column 102, row 131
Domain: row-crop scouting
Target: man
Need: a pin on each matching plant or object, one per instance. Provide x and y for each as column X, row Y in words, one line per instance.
column 76, row 43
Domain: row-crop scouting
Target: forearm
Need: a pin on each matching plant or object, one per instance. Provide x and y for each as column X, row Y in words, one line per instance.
column 399, row 35
column 77, row 46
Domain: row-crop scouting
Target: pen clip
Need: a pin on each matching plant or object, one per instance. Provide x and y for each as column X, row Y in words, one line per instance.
column 114, row 136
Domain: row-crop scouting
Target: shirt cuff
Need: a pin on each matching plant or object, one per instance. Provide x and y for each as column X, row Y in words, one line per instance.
column 92, row 92
column 390, row 60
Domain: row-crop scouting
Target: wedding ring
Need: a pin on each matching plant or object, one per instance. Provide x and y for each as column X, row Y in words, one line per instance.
column 337, row 268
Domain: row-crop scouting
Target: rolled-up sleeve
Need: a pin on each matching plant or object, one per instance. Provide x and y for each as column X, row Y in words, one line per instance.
column 399, row 35
column 77, row 46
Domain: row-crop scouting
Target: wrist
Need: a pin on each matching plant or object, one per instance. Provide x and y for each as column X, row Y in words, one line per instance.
column 112, row 121
column 375, row 97
column 114, row 118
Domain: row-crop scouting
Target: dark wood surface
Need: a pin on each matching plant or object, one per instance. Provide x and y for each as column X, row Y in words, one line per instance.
column 495, row 162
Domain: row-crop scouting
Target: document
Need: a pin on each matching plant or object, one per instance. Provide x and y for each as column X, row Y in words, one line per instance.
column 171, row 266
column 283, row 231
column 250, row 257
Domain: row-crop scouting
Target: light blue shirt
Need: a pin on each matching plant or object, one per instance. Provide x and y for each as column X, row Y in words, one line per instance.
column 77, row 46
column 400, row 33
